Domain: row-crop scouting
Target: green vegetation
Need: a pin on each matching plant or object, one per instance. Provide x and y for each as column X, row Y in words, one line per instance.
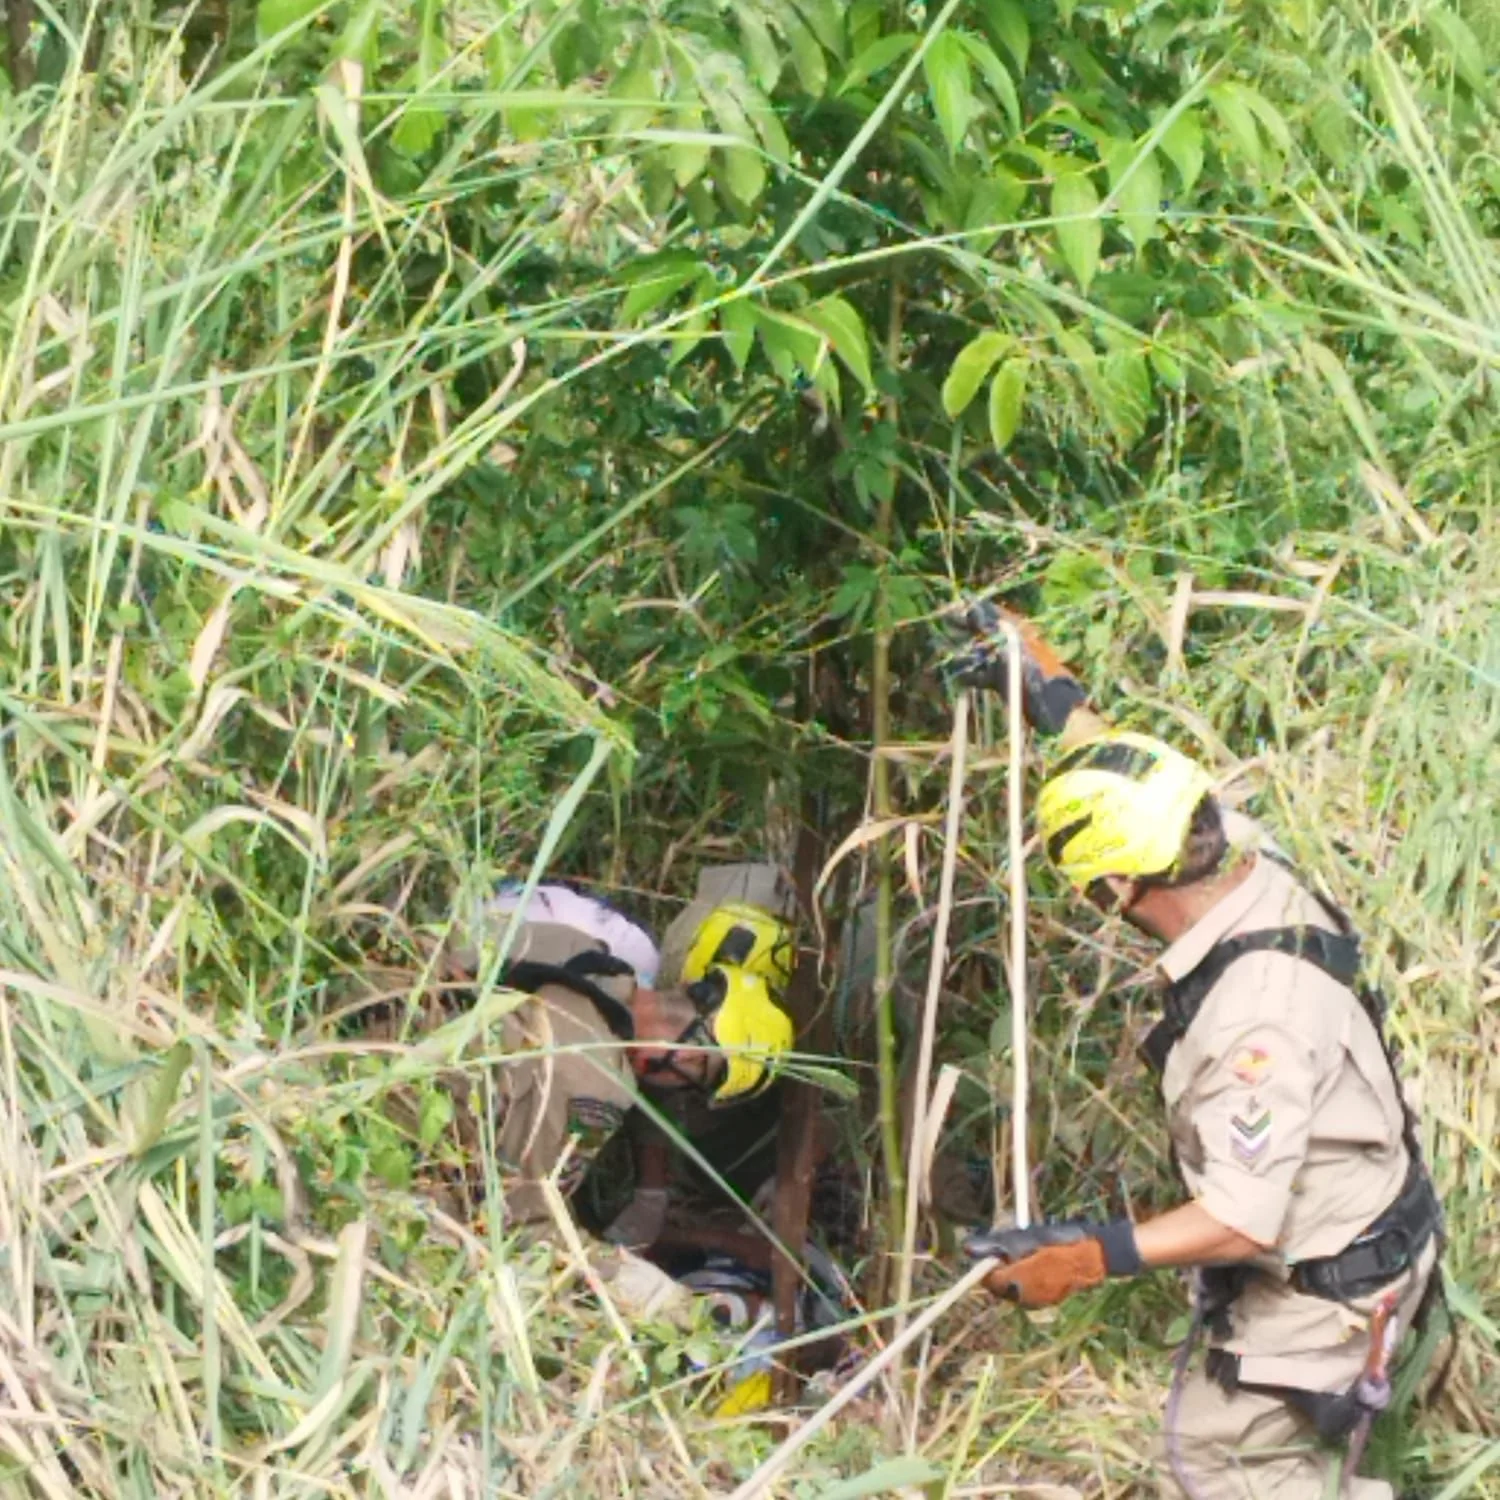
column 447, row 438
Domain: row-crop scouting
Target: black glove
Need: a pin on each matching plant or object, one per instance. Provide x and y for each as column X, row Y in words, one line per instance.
column 1047, row 1262
column 1049, row 692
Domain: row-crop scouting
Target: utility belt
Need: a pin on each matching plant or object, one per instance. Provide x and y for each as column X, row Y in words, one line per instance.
column 1387, row 1249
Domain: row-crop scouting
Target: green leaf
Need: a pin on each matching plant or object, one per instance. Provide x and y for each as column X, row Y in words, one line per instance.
column 1463, row 48
column 687, row 156
column 946, row 66
column 1271, row 119
column 743, row 174
column 1182, row 141
column 1007, row 398
column 1238, row 121
column 760, row 50
column 894, row 1474
column 790, row 344
column 1006, row 22
column 973, row 362
column 436, row 1116
column 994, row 200
column 845, row 331
column 1075, row 206
column 995, row 76
column 1136, row 188
column 273, row 16
column 807, row 55
column 877, row 57
column 654, row 282
column 686, row 336
column 826, row 19
column 635, row 88
column 737, row 330
column 1126, row 392
column 361, row 34
column 420, row 124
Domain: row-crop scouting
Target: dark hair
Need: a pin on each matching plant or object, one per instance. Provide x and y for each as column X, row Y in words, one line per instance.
column 1204, row 847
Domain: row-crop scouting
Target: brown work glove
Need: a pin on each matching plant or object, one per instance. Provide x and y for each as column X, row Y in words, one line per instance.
column 1049, row 691
column 1048, row 1262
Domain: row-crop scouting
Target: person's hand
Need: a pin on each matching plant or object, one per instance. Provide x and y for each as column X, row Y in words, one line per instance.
column 640, row 1222
column 644, row 1293
column 1045, row 1263
column 1049, row 691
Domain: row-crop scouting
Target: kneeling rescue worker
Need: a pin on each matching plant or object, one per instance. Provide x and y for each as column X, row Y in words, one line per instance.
column 1312, row 1221
column 595, row 1032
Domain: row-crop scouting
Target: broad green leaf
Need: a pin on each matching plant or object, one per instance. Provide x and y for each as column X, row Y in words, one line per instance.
column 1126, row 387
column 737, row 330
column 807, row 55
column 1006, row 21
column 361, row 35
column 973, row 362
column 1135, row 186
column 1329, row 123
column 994, row 199
column 272, row 16
column 877, row 57
column 760, row 50
column 1271, row 119
column 845, row 330
column 655, row 281
column 826, row 19
column 1182, row 141
column 946, row 66
column 790, row 344
column 1463, row 48
column 894, row 1474
column 687, row 156
column 420, row 124
column 686, row 337
column 744, row 173
column 995, row 76
column 636, row 89
column 1075, row 205
column 772, row 133
column 1007, row 398
column 1166, row 366
column 1238, row 122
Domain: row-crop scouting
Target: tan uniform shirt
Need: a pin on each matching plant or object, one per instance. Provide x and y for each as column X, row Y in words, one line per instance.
column 568, row 1077
column 1284, row 1116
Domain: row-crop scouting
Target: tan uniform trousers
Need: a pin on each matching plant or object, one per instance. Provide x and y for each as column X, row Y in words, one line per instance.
column 1252, row 1446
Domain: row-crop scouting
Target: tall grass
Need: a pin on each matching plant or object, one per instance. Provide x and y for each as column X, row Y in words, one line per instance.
column 242, row 750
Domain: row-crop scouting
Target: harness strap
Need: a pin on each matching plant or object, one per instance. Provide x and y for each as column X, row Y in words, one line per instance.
column 574, row 975
column 1335, row 953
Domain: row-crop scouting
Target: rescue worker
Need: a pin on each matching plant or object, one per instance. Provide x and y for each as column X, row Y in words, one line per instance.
column 740, row 914
column 1311, row 1222
column 597, row 1031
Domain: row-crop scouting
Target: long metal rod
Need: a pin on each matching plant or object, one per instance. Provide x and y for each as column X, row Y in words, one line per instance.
column 1019, row 1046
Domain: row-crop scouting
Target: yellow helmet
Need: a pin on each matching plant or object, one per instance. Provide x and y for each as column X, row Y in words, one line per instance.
column 744, row 937
column 746, row 1024
column 1119, row 805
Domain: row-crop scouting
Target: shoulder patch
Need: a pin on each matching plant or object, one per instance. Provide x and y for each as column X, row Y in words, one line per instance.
column 1251, row 1065
column 1250, row 1132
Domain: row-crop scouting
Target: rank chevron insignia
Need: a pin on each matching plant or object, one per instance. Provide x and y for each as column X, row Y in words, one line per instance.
column 1250, row 1133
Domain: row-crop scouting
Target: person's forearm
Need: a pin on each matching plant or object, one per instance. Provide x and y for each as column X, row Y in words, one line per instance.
column 1191, row 1236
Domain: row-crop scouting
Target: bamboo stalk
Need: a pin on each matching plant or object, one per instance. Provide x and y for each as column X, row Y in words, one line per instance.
column 952, row 833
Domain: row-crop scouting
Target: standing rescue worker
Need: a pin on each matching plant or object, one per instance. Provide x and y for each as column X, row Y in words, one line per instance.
column 1312, row 1222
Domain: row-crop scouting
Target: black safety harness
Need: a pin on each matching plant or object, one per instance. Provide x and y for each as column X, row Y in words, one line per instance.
column 1393, row 1242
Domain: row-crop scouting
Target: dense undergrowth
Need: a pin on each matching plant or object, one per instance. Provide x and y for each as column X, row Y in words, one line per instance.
column 444, row 441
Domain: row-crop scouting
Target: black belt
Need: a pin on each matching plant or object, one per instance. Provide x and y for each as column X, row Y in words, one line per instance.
column 1386, row 1250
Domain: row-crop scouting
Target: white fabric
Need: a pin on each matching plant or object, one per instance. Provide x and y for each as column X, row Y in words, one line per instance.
column 587, row 914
